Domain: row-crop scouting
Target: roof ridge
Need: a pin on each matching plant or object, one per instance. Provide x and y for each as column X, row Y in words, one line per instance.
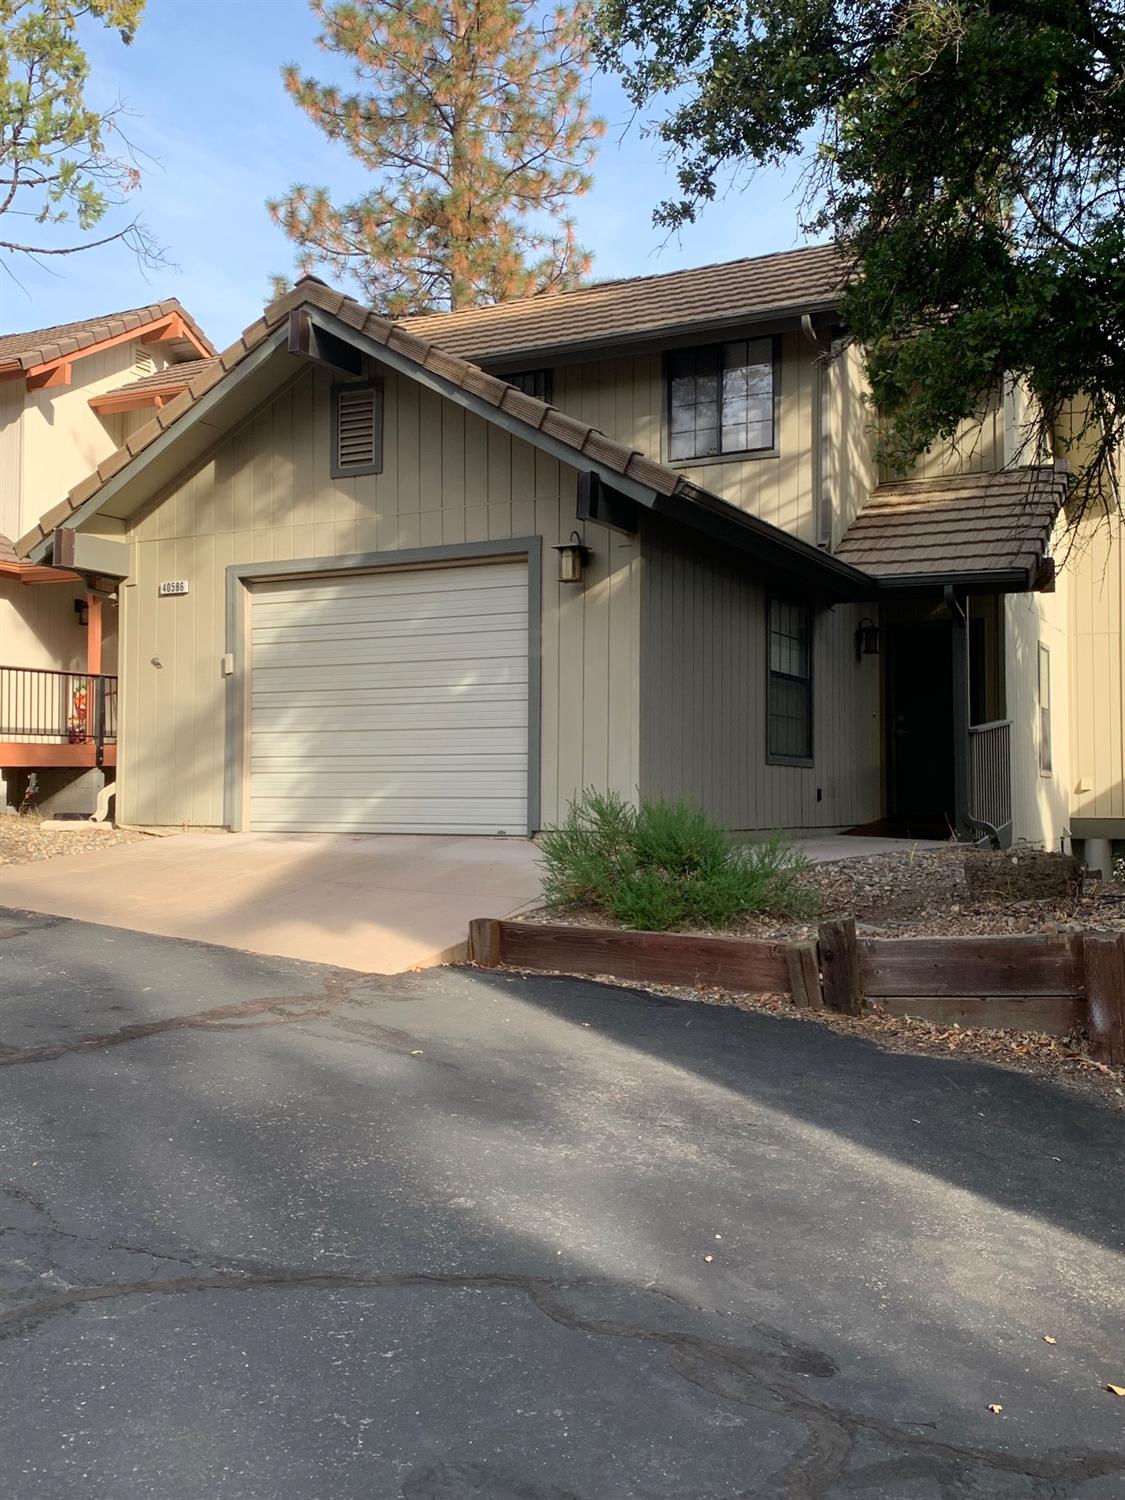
column 540, row 298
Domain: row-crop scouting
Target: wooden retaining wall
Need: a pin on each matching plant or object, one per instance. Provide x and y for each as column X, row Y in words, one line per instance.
column 1034, row 982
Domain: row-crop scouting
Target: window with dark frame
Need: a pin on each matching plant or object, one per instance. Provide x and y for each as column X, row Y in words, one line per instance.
column 537, row 383
column 357, row 428
column 1044, row 709
column 790, row 708
column 721, row 399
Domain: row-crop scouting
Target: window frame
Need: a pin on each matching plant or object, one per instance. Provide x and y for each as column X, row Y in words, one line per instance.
column 351, row 471
column 1044, row 737
column 732, row 455
column 775, row 758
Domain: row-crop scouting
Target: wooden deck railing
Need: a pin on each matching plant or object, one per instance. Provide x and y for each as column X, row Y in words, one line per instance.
column 40, row 707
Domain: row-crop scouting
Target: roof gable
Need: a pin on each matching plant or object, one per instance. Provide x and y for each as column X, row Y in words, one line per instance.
column 21, row 353
column 283, row 326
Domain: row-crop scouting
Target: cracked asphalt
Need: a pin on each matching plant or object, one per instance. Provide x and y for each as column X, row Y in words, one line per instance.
column 274, row 1230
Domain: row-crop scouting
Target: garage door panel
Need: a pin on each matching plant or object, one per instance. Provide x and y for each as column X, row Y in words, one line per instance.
column 328, row 745
column 447, row 785
column 414, row 583
column 464, row 713
column 392, row 702
column 482, row 645
column 461, row 605
column 297, row 680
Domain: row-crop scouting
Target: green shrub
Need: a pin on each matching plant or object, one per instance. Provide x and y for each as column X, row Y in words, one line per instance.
column 666, row 865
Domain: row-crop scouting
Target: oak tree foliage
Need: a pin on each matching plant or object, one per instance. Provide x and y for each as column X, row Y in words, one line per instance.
column 62, row 160
column 473, row 119
column 968, row 156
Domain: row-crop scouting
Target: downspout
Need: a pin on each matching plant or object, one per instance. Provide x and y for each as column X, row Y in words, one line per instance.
column 963, row 816
column 822, row 511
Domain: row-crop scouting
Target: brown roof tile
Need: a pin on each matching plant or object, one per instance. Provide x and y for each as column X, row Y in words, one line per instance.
column 969, row 523
column 38, row 346
column 621, row 311
column 7, row 551
column 172, row 378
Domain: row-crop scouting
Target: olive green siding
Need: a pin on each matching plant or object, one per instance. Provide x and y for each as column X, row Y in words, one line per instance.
column 703, row 700
column 266, row 494
column 627, row 398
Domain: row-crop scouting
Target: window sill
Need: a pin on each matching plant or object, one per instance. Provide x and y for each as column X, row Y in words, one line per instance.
column 723, row 458
column 789, row 760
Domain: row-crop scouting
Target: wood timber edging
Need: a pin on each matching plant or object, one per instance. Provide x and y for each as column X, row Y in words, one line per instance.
column 1029, row 981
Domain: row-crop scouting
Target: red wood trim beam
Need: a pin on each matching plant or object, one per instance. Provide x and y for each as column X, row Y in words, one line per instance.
column 36, row 573
column 136, row 401
column 57, row 371
column 93, row 634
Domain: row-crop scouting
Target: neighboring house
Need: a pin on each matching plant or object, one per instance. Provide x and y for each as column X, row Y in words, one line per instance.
column 69, row 396
column 347, row 602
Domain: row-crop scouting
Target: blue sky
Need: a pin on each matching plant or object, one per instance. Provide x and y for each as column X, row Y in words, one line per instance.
column 202, row 85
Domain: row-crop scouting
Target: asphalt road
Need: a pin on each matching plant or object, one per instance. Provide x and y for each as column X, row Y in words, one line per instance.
column 270, row 1230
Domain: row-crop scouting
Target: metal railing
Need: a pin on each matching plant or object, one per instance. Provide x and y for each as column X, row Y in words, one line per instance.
column 44, row 707
column 990, row 769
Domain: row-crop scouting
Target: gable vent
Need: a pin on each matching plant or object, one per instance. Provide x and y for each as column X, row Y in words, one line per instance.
column 357, row 428
column 143, row 362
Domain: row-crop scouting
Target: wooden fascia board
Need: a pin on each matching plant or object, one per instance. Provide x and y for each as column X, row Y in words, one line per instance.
column 116, row 401
column 34, row 573
column 198, row 412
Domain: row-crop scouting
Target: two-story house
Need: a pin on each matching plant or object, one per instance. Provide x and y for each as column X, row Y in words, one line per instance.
column 441, row 575
column 70, row 395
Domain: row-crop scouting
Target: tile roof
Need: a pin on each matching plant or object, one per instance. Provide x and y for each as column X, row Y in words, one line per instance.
column 622, row 311
column 7, row 551
column 172, row 378
column 971, row 523
column 584, row 440
column 39, row 346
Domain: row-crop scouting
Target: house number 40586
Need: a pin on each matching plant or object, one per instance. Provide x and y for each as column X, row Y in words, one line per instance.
column 174, row 586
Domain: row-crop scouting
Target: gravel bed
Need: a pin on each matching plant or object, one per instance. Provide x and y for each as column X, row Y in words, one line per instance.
column 914, row 893
column 24, row 839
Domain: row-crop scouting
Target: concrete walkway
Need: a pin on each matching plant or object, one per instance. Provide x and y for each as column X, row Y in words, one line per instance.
column 381, row 904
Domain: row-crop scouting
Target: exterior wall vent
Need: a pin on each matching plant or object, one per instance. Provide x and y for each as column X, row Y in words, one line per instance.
column 143, row 362
column 357, row 428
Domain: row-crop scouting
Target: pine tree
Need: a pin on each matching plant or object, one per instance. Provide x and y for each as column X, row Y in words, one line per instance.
column 62, row 161
column 473, row 117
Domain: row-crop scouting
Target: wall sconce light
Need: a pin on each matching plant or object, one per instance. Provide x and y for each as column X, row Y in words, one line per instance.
column 573, row 557
column 82, row 610
column 866, row 639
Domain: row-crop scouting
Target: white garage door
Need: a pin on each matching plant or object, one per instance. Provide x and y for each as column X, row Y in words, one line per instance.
column 391, row 702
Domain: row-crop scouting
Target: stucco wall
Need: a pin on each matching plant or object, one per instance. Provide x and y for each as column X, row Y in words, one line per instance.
column 266, row 494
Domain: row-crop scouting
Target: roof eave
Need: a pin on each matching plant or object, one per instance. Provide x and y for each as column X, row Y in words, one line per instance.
column 988, row 580
column 771, row 319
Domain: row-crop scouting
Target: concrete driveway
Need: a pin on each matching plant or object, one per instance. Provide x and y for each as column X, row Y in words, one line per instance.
column 379, row 903
column 277, row 1232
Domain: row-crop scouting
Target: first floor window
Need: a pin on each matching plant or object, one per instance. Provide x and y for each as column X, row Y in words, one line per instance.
column 789, row 710
column 1044, row 709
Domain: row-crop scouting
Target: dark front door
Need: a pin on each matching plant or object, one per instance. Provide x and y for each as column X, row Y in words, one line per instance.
column 920, row 700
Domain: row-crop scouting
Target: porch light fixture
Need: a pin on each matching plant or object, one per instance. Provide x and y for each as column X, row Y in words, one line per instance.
column 866, row 639
column 573, row 557
column 82, row 610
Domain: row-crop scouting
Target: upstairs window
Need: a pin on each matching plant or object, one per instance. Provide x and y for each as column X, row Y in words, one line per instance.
column 357, row 428
column 535, row 383
column 721, row 399
column 789, row 710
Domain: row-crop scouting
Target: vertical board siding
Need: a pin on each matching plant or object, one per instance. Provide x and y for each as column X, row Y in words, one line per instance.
column 266, row 494
column 703, row 700
column 626, row 398
column 1095, row 578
